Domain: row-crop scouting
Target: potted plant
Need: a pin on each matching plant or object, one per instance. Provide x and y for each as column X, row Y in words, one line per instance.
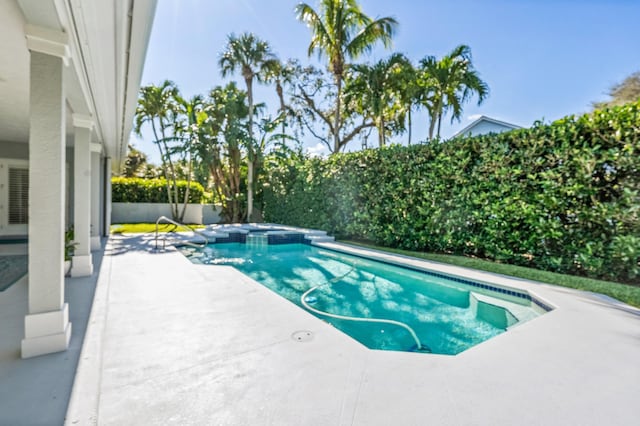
column 69, row 246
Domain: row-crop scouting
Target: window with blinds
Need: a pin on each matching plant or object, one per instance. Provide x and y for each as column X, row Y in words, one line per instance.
column 18, row 196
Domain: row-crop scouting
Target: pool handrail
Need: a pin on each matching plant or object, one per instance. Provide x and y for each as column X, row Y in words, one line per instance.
column 178, row 224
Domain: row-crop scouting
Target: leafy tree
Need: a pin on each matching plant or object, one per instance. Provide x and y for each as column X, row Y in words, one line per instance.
column 313, row 100
column 135, row 162
column 448, row 83
column 622, row 93
column 375, row 91
column 251, row 57
column 150, row 171
column 340, row 30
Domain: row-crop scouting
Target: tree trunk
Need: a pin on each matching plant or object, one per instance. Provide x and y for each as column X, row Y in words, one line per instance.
column 249, row 190
column 162, row 157
column 234, row 183
column 380, row 126
column 439, row 111
column 172, row 191
column 250, row 151
column 432, row 126
column 435, row 117
column 336, row 124
column 409, row 125
column 186, row 191
column 283, row 108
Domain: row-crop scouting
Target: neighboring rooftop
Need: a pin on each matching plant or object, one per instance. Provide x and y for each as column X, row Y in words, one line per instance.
column 485, row 125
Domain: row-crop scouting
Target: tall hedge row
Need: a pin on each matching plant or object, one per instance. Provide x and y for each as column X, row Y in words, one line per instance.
column 136, row 190
column 561, row 197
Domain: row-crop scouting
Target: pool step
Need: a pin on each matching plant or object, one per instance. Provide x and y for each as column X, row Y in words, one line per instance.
column 500, row 313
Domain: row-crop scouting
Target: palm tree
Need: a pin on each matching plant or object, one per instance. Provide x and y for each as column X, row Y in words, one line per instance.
column 189, row 131
column 251, row 57
column 223, row 128
column 341, row 31
column 376, row 89
column 451, row 82
column 281, row 74
column 157, row 106
column 409, row 93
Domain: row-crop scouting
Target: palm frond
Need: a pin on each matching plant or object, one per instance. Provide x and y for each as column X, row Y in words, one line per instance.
column 382, row 29
column 320, row 35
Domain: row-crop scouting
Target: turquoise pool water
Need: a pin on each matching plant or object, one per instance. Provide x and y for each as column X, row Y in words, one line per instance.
column 443, row 314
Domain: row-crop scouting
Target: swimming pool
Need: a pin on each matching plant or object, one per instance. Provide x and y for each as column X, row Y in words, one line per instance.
column 380, row 305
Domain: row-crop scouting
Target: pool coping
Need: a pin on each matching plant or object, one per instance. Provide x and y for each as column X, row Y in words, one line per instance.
column 474, row 278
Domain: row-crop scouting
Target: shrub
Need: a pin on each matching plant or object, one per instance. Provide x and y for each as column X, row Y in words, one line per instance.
column 136, row 190
column 563, row 197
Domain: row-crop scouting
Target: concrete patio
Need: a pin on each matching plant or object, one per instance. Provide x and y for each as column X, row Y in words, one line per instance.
column 170, row 342
column 36, row 391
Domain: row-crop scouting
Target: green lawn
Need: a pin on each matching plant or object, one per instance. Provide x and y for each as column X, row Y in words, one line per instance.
column 143, row 228
column 626, row 293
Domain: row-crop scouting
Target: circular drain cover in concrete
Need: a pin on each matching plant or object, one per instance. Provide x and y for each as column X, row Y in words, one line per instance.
column 302, row 336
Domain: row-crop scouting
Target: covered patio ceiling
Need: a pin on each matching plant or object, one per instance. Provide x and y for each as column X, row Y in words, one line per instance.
column 99, row 34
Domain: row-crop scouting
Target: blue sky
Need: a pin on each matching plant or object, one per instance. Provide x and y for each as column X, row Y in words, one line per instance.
column 542, row 59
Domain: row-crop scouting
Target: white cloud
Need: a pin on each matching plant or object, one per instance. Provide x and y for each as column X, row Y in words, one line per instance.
column 474, row 117
column 318, row 150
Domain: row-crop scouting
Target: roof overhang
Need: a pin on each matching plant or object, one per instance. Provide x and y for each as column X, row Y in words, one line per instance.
column 106, row 44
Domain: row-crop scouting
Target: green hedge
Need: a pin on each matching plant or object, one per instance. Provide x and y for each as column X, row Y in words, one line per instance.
column 562, row 197
column 136, row 190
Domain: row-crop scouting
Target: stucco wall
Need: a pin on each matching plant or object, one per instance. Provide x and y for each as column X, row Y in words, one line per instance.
column 150, row 212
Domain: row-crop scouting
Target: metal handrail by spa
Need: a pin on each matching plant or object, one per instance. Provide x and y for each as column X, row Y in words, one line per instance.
column 178, row 224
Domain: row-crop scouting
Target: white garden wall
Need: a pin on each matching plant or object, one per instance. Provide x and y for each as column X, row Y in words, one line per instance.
column 150, row 212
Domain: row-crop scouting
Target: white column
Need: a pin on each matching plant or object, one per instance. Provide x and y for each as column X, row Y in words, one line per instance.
column 81, row 264
column 95, row 198
column 47, row 326
column 107, row 196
